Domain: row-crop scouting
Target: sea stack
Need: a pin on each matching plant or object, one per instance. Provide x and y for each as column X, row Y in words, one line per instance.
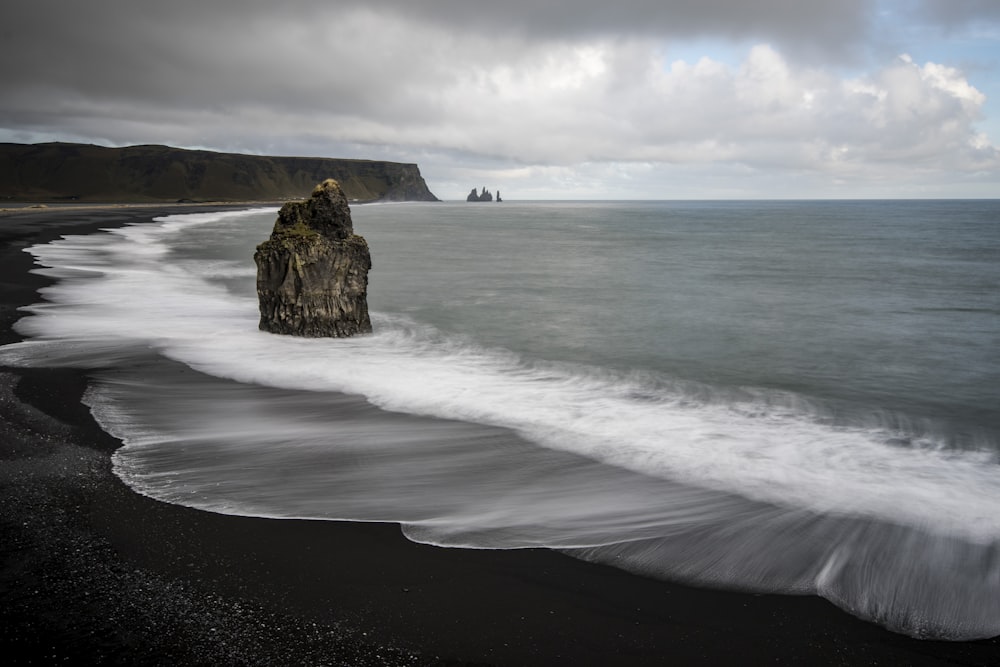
column 485, row 195
column 312, row 274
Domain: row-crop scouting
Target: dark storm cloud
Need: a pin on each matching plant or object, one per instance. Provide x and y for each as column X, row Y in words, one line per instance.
column 820, row 22
column 958, row 12
column 146, row 48
column 557, row 88
column 215, row 55
column 791, row 23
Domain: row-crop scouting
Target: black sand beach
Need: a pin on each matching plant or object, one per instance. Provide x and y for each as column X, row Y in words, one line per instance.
column 93, row 573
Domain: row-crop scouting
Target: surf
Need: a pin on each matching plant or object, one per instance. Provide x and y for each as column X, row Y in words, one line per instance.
column 655, row 473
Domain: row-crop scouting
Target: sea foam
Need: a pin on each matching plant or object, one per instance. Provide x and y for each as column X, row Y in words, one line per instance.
column 756, row 489
column 117, row 289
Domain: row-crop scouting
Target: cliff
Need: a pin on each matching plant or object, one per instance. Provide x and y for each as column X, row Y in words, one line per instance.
column 312, row 274
column 80, row 172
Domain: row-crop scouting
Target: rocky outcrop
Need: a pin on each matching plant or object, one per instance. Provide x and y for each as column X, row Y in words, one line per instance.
column 485, row 195
column 312, row 274
column 80, row 172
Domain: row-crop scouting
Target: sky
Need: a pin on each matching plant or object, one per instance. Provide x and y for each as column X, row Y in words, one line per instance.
column 561, row 99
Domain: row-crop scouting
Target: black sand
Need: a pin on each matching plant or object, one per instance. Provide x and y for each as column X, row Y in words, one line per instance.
column 93, row 573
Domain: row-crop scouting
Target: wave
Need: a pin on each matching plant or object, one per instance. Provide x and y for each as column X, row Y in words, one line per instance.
column 728, row 486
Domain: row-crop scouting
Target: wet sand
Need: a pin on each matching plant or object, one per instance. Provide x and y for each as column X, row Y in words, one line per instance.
column 93, row 573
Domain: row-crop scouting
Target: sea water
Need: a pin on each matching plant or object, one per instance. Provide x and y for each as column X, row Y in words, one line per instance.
column 799, row 397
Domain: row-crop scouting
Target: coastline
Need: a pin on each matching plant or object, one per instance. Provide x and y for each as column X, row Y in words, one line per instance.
column 97, row 573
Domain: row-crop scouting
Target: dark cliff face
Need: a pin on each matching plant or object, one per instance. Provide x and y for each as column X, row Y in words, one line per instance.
column 79, row 172
column 312, row 274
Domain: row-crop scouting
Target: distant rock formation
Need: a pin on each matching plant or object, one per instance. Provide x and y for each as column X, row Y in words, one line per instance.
column 58, row 172
column 312, row 274
column 486, row 195
column 498, row 196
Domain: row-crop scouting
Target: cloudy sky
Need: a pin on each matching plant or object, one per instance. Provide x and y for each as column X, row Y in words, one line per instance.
column 543, row 99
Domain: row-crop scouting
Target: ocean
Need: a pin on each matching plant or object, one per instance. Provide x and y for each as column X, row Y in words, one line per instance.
column 799, row 397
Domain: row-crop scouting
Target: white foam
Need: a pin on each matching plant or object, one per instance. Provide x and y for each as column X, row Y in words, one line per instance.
column 117, row 290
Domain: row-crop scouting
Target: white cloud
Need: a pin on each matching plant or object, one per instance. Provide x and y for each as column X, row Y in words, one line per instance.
column 500, row 95
column 612, row 101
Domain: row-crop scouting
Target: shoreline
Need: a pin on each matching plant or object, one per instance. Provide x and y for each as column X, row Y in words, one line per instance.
column 97, row 573
column 60, row 207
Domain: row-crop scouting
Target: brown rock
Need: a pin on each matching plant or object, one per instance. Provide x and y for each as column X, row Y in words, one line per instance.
column 312, row 274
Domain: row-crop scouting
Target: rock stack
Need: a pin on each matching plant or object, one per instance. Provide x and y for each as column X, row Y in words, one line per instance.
column 312, row 274
column 485, row 195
